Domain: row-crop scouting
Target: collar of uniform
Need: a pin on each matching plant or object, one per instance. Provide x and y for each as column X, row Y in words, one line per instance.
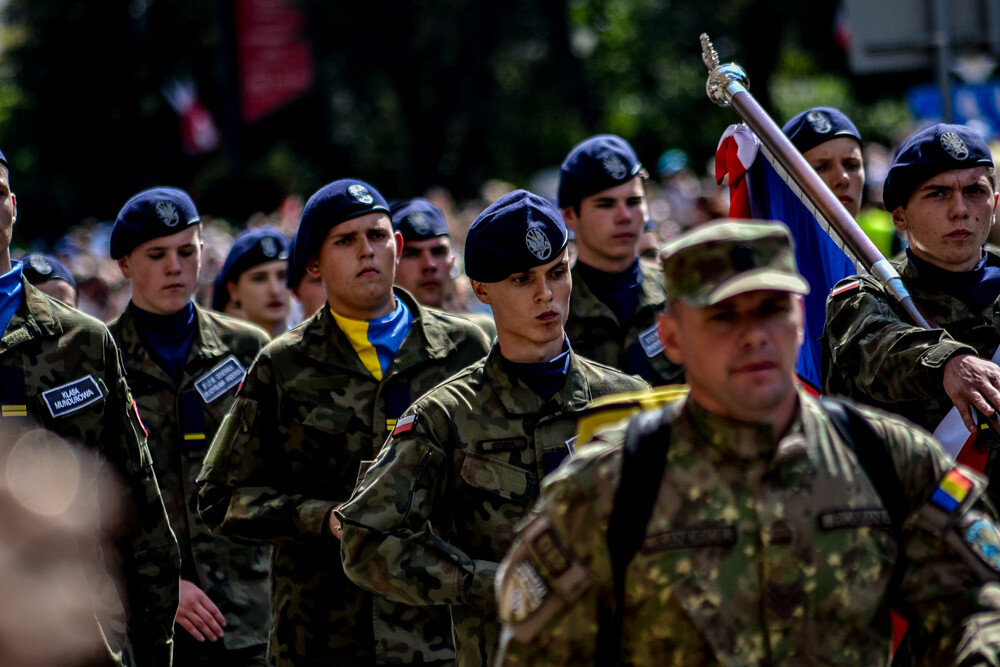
column 209, row 345
column 737, row 439
column 584, row 304
column 135, row 356
column 928, row 292
column 433, row 341
column 519, row 399
column 33, row 318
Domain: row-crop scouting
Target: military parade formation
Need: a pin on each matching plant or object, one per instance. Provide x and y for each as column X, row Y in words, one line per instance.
column 391, row 468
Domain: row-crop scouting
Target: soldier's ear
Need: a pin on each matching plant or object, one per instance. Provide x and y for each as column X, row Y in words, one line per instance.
column 667, row 329
column 571, row 218
column 899, row 218
column 124, row 267
column 399, row 245
column 481, row 290
column 312, row 268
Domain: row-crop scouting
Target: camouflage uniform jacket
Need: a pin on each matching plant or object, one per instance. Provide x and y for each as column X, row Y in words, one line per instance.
column 873, row 354
column 595, row 332
column 436, row 511
column 181, row 420
column 759, row 553
column 65, row 367
column 308, row 415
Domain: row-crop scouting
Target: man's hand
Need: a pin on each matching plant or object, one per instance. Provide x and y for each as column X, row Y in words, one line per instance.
column 971, row 381
column 199, row 615
column 335, row 528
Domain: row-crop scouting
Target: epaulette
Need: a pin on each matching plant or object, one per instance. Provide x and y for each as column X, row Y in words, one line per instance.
column 613, row 408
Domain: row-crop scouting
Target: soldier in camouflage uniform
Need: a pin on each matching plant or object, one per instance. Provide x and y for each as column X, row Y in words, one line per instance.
column 436, row 511
column 317, row 403
column 616, row 298
column 183, row 365
column 61, row 370
column 768, row 542
column 941, row 190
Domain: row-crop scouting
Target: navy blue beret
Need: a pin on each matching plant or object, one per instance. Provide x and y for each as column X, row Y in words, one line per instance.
column 252, row 248
column 515, row 233
column 818, row 125
column 151, row 214
column 296, row 267
column 418, row 220
column 43, row 268
column 331, row 205
column 599, row 163
column 926, row 154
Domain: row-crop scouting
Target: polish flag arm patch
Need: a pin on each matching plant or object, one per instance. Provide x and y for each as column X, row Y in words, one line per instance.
column 404, row 425
column 846, row 287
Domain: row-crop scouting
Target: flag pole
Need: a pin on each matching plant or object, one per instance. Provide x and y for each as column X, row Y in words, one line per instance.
column 728, row 86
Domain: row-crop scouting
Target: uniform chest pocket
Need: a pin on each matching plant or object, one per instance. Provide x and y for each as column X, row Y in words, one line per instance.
column 499, row 478
column 326, row 445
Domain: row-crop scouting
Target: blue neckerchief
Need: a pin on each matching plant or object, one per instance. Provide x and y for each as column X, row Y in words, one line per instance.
column 979, row 287
column 168, row 337
column 618, row 291
column 545, row 378
column 386, row 334
column 10, row 295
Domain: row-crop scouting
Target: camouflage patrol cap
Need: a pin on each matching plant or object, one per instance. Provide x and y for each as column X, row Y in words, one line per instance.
column 149, row 215
column 926, row 154
column 721, row 259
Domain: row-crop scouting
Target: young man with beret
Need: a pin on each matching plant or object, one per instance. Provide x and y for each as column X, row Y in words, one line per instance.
column 941, row 191
column 314, row 409
column 61, row 370
column 436, row 511
column 775, row 529
column 616, row 298
column 184, row 364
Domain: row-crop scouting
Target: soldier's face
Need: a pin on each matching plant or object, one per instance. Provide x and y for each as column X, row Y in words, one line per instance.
column 839, row 163
column 357, row 261
column 310, row 293
column 8, row 214
column 739, row 355
column 948, row 217
column 530, row 310
column 262, row 294
column 608, row 225
column 424, row 269
column 164, row 271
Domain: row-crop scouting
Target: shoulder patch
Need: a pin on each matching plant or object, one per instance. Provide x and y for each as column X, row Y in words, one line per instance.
column 846, row 287
column 951, row 491
column 650, row 341
column 983, row 539
column 220, row 379
column 73, row 396
column 404, row 425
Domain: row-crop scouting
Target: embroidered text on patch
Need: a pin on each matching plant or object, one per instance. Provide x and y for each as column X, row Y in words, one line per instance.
column 74, row 396
column 220, row 379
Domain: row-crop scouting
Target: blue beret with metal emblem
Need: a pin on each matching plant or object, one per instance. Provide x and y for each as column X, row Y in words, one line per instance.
column 151, row 214
column 418, row 220
column 331, row 205
column 818, row 125
column 516, row 233
column 596, row 164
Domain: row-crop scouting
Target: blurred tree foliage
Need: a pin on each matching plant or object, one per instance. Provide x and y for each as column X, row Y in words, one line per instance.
column 408, row 94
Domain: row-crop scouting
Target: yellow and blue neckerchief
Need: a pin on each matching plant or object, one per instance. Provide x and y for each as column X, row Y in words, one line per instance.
column 10, row 295
column 377, row 341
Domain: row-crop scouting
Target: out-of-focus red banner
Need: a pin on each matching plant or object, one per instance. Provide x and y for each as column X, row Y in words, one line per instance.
column 275, row 60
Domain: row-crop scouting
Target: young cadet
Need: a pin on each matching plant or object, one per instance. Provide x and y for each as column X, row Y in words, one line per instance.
column 436, row 511
column 941, row 190
column 831, row 144
column 318, row 402
column 51, row 276
column 61, row 370
column 616, row 298
column 184, row 364
column 254, row 277
column 426, row 264
column 778, row 529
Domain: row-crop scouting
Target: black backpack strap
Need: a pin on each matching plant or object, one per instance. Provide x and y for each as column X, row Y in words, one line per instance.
column 873, row 456
column 644, row 457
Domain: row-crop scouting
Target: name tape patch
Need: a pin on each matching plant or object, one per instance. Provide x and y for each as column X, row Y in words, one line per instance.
column 503, row 445
column 693, row 538
column 871, row 516
column 650, row 341
column 220, row 379
column 73, row 396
